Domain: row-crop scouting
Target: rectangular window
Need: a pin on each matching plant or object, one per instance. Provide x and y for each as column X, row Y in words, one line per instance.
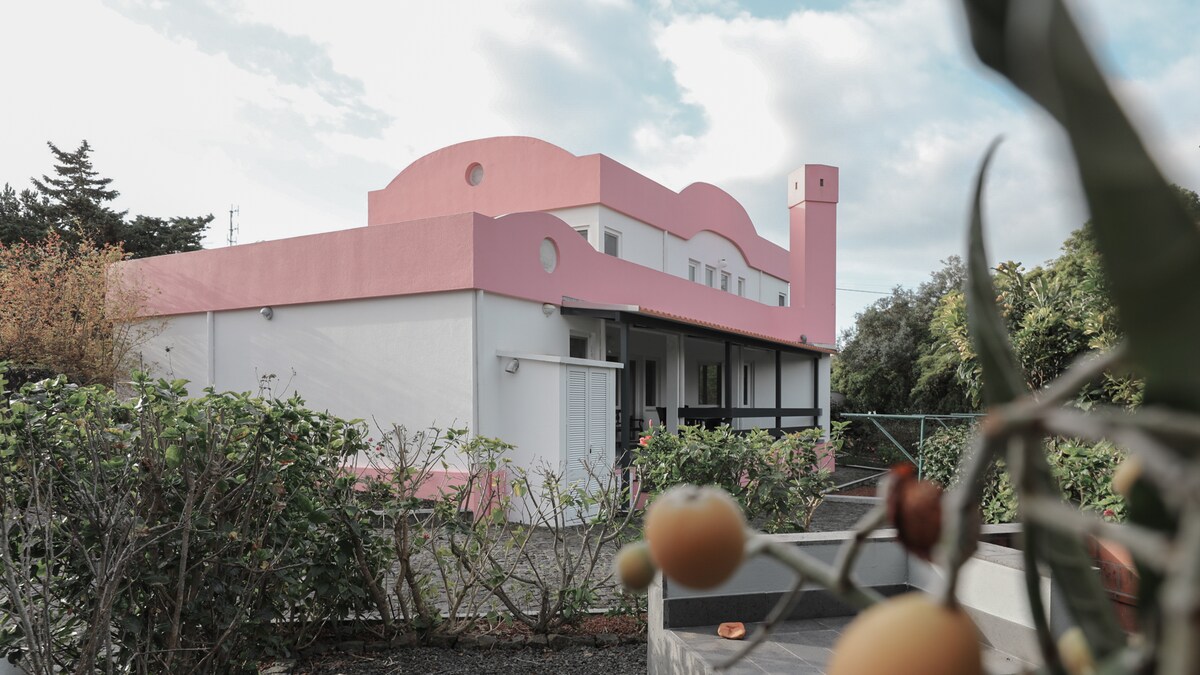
column 725, row 281
column 651, row 398
column 579, row 347
column 710, row 384
column 747, row 385
column 742, row 286
column 612, row 243
column 693, row 270
column 710, row 276
column 783, row 299
column 583, row 232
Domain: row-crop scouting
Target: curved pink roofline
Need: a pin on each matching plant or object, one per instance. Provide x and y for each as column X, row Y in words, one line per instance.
column 523, row 174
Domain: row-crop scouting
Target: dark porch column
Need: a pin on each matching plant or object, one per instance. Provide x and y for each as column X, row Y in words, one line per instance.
column 626, row 422
column 778, row 387
column 729, row 378
column 816, row 388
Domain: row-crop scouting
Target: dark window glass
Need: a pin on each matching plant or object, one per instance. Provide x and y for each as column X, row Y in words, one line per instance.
column 651, row 384
column 579, row 347
column 710, row 384
column 612, row 244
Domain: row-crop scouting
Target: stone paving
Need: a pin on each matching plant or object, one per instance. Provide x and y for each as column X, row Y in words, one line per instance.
column 802, row 647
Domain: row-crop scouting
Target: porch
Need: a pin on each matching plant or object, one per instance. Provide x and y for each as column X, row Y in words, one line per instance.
column 674, row 371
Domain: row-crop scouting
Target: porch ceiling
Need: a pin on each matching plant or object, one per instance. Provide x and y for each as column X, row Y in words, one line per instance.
column 645, row 317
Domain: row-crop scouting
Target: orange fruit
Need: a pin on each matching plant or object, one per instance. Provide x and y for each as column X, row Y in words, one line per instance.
column 732, row 630
column 634, row 567
column 697, row 535
column 1126, row 475
column 911, row 634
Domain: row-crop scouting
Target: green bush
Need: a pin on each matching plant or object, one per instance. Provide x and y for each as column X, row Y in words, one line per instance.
column 1083, row 470
column 775, row 481
column 167, row 533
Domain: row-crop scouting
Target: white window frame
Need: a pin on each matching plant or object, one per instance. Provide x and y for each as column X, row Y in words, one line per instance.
column 783, row 299
column 694, row 271
column 725, row 279
column 584, row 232
column 587, row 340
column 710, row 276
column 741, row 287
column 616, row 234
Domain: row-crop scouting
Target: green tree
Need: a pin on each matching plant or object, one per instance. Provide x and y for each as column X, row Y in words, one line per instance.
column 75, row 202
column 146, row 236
column 19, row 219
column 76, row 199
column 878, row 366
column 1053, row 314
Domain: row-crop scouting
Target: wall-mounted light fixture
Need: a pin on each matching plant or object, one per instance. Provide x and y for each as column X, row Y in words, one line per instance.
column 548, row 309
column 722, row 264
column 267, row 313
column 513, row 366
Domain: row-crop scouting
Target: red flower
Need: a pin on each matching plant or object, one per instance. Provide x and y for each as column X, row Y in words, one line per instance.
column 644, row 440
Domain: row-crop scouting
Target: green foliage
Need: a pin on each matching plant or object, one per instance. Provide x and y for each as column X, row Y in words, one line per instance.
column 165, row 533
column 884, row 363
column 776, row 481
column 1083, row 472
column 458, row 555
column 74, row 202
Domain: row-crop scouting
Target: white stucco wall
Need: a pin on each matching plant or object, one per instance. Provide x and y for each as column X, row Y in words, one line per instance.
column 523, row 408
column 652, row 247
column 401, row 360
column 187, row 358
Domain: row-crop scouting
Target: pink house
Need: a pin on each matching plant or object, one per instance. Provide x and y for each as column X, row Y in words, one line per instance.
column 560, row 303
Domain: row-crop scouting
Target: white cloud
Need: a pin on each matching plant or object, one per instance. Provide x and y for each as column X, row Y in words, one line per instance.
column 294, row 110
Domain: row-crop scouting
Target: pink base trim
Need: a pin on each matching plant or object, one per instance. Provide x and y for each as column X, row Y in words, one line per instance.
column 441, row 484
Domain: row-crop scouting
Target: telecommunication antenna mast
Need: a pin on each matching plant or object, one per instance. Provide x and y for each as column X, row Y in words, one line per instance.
column 233, row 229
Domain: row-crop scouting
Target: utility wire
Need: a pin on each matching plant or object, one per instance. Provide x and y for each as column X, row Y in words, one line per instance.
column 860, row 290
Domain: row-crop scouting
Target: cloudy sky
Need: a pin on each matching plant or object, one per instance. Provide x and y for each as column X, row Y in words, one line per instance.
column 292, row 110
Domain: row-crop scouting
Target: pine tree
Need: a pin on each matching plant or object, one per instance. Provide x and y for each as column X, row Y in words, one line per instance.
column 18, row 218
column 75, row 204
column 77, row 198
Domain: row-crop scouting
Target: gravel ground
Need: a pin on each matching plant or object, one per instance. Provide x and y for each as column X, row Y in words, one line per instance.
column 618, row 660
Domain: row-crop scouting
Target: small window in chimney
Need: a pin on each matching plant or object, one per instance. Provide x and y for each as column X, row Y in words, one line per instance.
column 822, row 182
column 796, row 185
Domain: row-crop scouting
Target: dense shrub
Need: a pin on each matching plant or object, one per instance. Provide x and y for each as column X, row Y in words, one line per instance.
column 65, row 311
column 776, row 481
column 167, row 533
column 1083, row 470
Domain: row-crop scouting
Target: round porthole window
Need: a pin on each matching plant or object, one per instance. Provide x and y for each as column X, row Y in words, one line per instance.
column 475, row 174
column 549, row 255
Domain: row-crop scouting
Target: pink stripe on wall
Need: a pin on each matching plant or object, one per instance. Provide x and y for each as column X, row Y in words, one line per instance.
column 422, row 256
column 509, row 264
column 500, row 255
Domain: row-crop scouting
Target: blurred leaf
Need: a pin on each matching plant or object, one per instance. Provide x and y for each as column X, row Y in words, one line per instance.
column 1002, row 379
column 1038, row 48
column 1149, row 243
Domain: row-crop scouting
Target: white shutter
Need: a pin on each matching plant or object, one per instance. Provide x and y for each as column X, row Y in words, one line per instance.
column 599, row 422
column 577, row 424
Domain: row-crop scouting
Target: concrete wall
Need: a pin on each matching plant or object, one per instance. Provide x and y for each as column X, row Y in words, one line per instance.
column 401, row 360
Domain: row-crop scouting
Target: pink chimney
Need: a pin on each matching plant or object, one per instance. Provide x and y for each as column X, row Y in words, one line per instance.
column 812, row 208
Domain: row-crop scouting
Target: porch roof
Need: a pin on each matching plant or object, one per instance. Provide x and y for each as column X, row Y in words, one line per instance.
column 647, row 317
